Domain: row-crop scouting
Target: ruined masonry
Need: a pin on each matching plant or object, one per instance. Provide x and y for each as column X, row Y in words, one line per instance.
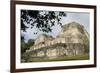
column 72, row 40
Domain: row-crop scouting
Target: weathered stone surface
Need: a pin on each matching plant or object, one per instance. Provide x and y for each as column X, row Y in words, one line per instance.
column 71, row 41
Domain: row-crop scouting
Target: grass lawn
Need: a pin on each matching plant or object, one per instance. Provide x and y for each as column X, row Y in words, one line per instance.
column 63, row 58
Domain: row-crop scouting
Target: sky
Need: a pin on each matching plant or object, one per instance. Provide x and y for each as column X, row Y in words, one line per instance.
column 79, row 17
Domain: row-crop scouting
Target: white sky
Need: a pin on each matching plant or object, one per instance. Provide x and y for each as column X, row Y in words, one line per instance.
column 79, row 17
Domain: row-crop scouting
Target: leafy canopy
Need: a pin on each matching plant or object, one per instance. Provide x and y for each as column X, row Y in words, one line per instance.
column 43, row 20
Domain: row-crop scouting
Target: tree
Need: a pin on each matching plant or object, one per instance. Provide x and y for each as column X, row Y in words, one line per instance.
column 26, row 46
column 23, row 46
column 30, row 43
column 43, row 20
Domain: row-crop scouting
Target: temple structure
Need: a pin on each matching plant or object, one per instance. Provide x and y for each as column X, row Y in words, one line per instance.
column 72, row 40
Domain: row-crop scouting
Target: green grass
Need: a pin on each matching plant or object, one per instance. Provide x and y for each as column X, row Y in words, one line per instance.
column 63, row 58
